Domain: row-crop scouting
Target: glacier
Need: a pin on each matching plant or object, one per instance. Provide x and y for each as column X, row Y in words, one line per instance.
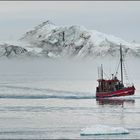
column 73, row 41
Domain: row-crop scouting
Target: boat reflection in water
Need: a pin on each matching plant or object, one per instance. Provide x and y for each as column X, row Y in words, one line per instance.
column 114, row 101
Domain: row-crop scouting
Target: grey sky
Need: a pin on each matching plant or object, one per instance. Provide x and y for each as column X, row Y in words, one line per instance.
column 120, row 18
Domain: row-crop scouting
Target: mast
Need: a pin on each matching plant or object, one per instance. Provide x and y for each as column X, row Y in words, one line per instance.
column 101, row 71
column 121, row 61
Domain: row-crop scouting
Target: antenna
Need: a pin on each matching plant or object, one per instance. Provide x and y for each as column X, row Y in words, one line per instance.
column 101, row 71
column 121, row 60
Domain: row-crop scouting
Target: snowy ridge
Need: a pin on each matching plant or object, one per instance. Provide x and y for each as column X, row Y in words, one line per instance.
column 98, row 37
column 51, row 41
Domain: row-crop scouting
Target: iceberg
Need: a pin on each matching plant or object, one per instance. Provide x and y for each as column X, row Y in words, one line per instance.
column 68, row 41
column 103, row 130
column 76, row 41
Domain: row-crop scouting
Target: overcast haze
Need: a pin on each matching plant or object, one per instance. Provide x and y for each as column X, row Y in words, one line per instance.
column 121, row 19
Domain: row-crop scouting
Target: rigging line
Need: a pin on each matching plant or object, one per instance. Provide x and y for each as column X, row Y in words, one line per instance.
column 128, row 70
column 116, row 72
column 117, row 67
column 106, row 75
column 125, row 72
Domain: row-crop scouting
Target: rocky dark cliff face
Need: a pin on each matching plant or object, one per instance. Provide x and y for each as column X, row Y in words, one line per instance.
column 11, row 50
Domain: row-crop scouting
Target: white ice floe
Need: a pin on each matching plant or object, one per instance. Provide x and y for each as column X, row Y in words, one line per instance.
column 103, row 130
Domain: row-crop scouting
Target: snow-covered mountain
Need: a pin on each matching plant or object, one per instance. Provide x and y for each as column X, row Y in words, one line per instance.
column 69, row 41
column 53, row 41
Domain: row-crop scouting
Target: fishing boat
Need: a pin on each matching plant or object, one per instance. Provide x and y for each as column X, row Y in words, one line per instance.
column 113, row 87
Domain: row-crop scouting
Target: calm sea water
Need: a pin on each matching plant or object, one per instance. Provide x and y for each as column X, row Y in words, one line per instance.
column 55, row 102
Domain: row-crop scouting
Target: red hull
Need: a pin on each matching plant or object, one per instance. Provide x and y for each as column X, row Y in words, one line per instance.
column 123, row 92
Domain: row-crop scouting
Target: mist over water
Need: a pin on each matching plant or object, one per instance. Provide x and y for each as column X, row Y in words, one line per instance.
column 76, row 69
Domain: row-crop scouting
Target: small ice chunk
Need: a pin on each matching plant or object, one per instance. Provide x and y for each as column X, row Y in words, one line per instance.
column 103, row 130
